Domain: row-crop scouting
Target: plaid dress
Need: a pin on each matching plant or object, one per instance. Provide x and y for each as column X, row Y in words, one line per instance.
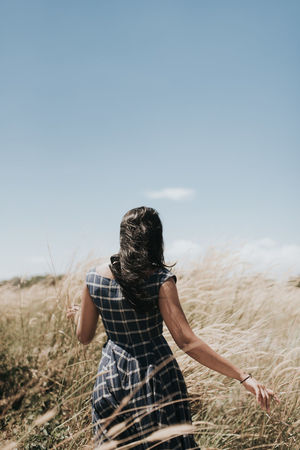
column 139, row 382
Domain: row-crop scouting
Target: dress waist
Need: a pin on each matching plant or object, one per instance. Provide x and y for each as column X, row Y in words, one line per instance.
column 157, row 344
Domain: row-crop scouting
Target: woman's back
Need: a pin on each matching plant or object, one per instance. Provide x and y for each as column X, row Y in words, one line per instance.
column 137, row 362
column 123, row 324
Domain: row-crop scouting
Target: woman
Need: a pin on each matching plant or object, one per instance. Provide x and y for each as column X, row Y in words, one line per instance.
column 139, row 385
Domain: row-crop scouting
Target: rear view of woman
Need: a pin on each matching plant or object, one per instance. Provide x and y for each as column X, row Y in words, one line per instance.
column 139, row 383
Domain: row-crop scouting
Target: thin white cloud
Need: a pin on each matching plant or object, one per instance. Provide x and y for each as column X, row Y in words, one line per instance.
column 172, row 194
column 184, row 252
column 266, row 256
column 183, row 247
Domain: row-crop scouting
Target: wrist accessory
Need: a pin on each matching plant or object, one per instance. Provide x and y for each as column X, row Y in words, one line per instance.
column 249, row 376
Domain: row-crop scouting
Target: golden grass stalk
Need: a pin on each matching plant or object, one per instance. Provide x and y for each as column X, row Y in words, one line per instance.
column 251, row 319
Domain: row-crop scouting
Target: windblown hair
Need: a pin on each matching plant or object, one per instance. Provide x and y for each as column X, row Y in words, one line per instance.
column 141, row 252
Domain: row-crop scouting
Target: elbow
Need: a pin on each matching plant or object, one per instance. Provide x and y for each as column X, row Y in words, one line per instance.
column 85, row 340
column 187, row 343
column 184, row 345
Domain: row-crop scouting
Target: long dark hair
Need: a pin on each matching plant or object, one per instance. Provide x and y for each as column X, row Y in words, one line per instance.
column 141, row 252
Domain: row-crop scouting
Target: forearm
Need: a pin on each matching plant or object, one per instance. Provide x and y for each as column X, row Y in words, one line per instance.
column 204, row 354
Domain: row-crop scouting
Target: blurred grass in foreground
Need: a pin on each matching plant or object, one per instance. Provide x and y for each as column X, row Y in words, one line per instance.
column 46, row 376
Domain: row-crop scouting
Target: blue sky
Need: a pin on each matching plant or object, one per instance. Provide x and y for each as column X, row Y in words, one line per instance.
column 191, row 107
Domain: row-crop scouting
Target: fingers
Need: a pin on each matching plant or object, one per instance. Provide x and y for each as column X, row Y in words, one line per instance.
column 264, row 395
column 72, row 310
column 266, row 398
column 273, row 395
column 260, row 396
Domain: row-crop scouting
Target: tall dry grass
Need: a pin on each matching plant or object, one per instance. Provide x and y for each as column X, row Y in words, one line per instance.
column 47, row 376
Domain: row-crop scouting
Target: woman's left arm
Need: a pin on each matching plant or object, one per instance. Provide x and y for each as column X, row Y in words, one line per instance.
column 88, row 318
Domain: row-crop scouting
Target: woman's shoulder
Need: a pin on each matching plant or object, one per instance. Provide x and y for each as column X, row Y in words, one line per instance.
column 165, row 274
column 104, row 270
column 100, row 270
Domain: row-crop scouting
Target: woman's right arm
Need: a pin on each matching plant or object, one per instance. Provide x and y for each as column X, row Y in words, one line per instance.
column 195, row 347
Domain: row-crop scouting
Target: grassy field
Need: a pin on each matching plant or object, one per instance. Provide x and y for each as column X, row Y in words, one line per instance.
column 46, row 376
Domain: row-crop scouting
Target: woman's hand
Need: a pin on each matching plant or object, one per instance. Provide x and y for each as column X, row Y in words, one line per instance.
column 73, row 313
column 263, row 394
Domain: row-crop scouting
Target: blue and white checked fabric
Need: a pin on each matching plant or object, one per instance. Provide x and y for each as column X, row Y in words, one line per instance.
column 137, row 364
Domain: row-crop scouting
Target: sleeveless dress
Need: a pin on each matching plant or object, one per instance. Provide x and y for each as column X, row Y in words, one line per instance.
column 139, row 387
